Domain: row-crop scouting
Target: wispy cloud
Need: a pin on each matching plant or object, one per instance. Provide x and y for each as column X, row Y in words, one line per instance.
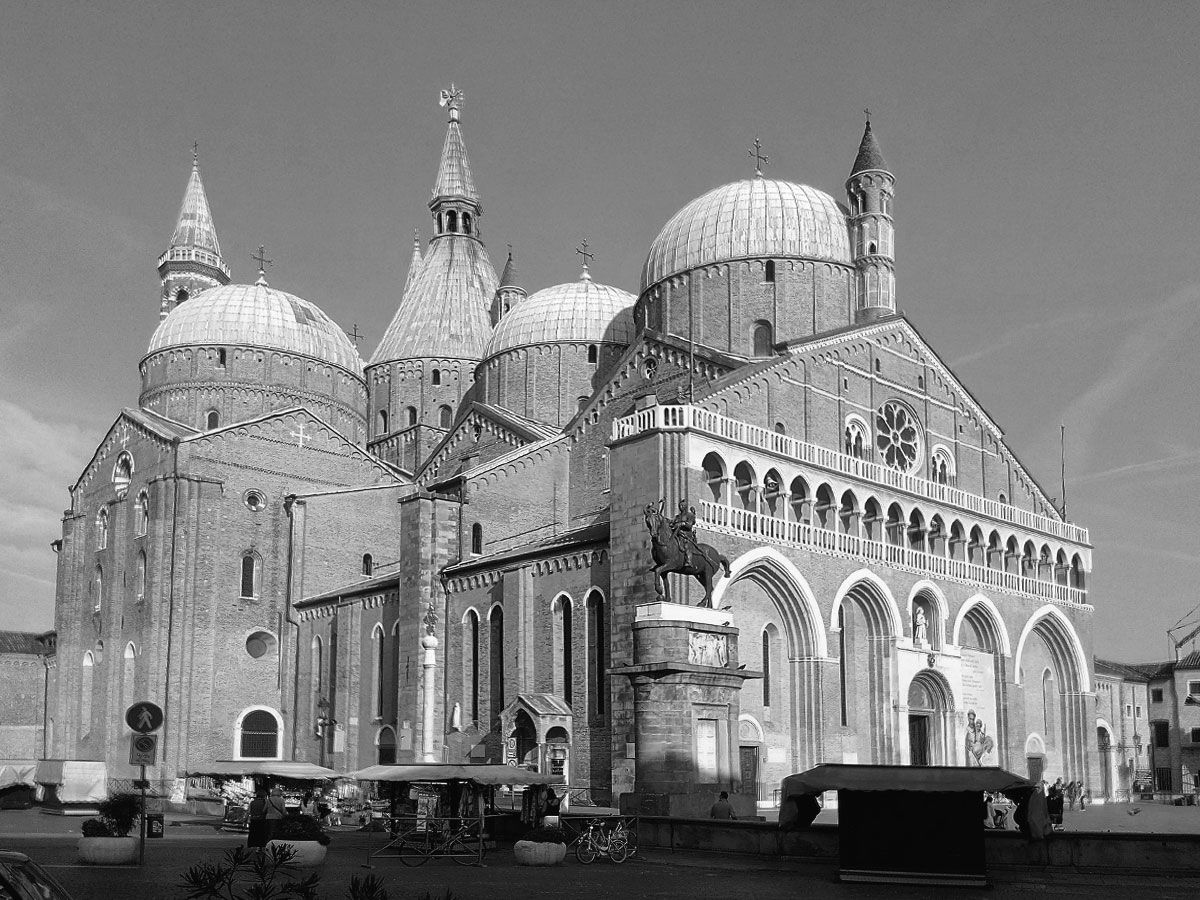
column 43, row 456
column 1147, row 467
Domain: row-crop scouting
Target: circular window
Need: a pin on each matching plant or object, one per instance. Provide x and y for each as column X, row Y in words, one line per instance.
column 255, row 500
column 650, row 368
column 897, row 436
column 260, row 644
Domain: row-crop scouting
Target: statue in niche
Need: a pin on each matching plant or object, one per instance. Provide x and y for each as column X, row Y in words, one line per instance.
column 674, row 548
column 706, row 649
column 920, row 626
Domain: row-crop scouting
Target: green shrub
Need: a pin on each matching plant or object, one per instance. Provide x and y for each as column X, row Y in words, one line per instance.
column 120, row 813
column 244, row 875
column 96, row 828
column 546, row 835
column 299, row 828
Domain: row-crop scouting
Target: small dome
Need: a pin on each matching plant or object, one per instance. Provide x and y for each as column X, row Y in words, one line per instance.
column 580, row 312
column 255, row 315
column 749, row 219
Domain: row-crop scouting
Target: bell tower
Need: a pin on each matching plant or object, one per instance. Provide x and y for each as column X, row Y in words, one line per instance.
column 870, row 194
column 192, row 263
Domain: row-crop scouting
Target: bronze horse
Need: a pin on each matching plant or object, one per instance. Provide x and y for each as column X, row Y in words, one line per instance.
column 669, row 558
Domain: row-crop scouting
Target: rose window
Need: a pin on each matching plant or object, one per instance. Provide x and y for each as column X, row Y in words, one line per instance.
column 897, row 436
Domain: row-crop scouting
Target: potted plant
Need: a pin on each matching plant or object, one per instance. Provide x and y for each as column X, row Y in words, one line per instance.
column 304, row 836
column 541, row 847
column 106, row 840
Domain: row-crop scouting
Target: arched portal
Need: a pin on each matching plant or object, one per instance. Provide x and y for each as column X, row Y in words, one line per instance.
column 930, row 730
column 1053, row 674
column 867, row 623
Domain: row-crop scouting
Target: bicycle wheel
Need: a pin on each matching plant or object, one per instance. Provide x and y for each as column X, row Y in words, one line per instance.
column 413, row 853
column 466, row 851
column 585, row 850
column 618, row 850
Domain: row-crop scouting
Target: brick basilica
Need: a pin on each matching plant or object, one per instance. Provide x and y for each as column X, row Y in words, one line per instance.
column 443, row 553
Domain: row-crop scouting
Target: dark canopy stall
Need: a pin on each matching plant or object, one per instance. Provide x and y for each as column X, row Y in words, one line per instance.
column 902, row 824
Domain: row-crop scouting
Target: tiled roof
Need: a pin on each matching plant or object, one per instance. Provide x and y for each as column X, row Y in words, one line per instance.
column 869, row 155
column 509, row 276
column 256, row 315
column 578, row 312
column 756, row 218
column 194, row 226
column 444, row 311
column 414, row 265
column 454, row 173
column 21, row 642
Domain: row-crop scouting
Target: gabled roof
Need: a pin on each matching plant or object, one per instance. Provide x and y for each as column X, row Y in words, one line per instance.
column 526, row 430
column 22, row 642
column 352, row 589
column 588, row 534
column 128, row 420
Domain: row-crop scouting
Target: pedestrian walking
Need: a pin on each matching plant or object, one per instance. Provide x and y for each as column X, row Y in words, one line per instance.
column 1054, row 804
column 256, row 833
column 1074, row 789
column 276, row 810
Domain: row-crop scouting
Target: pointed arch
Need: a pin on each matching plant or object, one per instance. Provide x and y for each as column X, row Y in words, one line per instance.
column 985, row 613
column 780, row 578
column 378, row 672
column 935, row 599
column 1064, row 644
column 878, row 598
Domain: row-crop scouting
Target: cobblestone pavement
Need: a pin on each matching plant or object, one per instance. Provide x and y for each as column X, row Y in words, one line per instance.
column 657, row 874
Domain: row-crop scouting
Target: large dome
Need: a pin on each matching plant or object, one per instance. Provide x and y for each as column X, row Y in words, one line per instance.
column 256, row 315
column 581, row 312
column 755, row 218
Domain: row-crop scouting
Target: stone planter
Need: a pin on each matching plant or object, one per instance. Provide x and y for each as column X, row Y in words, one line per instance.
column 529, row 853
column 108, row 851
column 309, row 854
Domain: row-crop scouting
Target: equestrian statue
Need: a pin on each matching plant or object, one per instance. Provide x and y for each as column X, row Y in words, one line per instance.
column 675, row 549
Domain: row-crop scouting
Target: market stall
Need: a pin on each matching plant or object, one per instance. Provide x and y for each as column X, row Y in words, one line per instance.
column 902, row 824
column 255, row 774
column 72, row 786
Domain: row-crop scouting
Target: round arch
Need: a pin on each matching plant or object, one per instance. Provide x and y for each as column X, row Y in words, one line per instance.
column 878, row 591
column 992, row 613
column 750, row 730
column 934, row 593
column 238, row 726
column 779, row 577
column 1064, row 644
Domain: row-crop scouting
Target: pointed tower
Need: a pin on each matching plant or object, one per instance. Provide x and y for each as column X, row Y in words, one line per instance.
column 871, row 192
column 510, row 293
column 425, row 362
column 414, row 264
column 192, row 263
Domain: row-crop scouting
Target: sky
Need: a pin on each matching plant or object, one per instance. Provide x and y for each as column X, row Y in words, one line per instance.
column 1045, row 216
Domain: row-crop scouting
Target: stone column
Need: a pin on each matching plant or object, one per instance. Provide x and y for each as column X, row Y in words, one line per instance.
column 429, row 644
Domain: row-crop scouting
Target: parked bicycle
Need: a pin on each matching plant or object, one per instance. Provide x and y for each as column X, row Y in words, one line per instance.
column 415, row 843
column 596, row 842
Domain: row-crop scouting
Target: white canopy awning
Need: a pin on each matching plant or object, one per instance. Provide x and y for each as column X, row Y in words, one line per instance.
column 279, row 768
column 482, row 774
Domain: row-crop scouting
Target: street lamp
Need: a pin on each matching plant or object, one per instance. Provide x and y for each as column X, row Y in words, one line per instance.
column 324, row 723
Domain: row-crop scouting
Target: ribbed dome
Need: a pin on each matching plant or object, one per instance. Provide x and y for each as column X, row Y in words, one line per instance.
column 255, row 315
column 582, row 312
column 749, row 219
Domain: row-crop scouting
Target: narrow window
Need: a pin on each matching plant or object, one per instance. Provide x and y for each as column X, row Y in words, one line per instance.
column 873, row 248
column 452, row 221
column 383, row 421
column 593, row 353
column 98, row 586
column 477, row 539
column 878, row 367
column 102, row 530
column 496, row 694
column 762, row 339
column 474, row 667
column 368, row 565
column 410, row 415
column 142, row 513
column 444, row 416
column 139, row 580
column 566, row 650
column 221, row 358
column 213, row 419
column 597, row 637
column 181, row 297
column 769, row 273
column 437, row 376
column 466, row 223
column 439, row 217
column 380, row 671
column 249, row 575
column 842, row 657
column 766, row 667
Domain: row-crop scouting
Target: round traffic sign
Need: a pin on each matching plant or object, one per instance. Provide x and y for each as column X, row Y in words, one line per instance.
column 144, row 717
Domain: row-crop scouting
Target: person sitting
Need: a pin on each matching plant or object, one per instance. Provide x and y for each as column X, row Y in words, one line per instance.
column 551, row 809
column 722, row 809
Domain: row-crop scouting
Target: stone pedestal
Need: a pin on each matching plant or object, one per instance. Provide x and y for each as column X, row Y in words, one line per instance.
column 687, row 685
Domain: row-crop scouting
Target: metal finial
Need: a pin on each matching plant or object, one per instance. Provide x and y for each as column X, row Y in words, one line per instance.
column 453, row 100
column 195, row 154
column 760, row 159
column 263, row 262
column 431, row 620
column 582, row 250
column 867, row 113
column 354, row 335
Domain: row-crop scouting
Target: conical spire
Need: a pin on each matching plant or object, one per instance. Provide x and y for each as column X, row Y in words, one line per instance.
column 194, row 226
column 454, row 179
column 869, row 154
column 414, row 265
column 508, row 279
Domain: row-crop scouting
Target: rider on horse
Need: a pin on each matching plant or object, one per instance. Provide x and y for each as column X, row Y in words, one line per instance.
column 683, row 527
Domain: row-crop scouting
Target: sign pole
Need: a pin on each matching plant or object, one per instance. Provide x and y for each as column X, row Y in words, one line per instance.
column 142, row 842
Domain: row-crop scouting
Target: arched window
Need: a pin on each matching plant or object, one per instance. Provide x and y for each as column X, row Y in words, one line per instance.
column 744, row 476
column 249, row 581
column 466, row 222
column 780, row 428
column 472, row 663
column 561, row 637
column 854, row 438
column 316, row 680
column 941, row 465
column 477, row 539
column 436, row 377
column 368, row 567
column 444, row 416
column 87, row 682
column 452, row 221
column 597, row 652
column 141, row 514
column 139, row 578
column 122, row 473
column 714, row 476
column 763, row 338
column 212, row 420
column 769, row 271
column 496, row 661
column 98, row 587
column 102, row 529
column 181, row 297
column 221, row 358
column 593, row 353
column 766, row 666
column 259, row 738
column 800, row 499
column 377, row 670
column 439, row 221
column 1049, row 698
column 383, row 421
column 410, row 415
column 128, row 674
column 386, row 750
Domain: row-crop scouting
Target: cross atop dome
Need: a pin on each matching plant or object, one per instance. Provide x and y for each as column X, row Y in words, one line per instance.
column 263, row 262
column 761, row 160
column 588, row 256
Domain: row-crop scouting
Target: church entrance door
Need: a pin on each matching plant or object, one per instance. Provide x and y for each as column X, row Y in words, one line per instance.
column 918, row 739
column 749, row 768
